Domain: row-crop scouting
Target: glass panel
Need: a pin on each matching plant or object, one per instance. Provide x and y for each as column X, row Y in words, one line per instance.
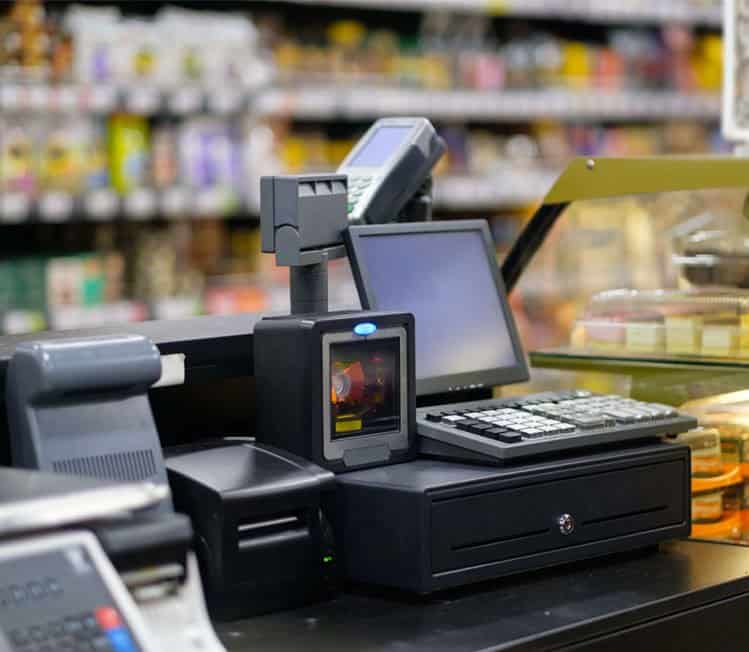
column 648, row 295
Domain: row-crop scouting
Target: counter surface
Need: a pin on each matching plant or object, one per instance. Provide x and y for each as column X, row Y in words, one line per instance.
column 641, row 598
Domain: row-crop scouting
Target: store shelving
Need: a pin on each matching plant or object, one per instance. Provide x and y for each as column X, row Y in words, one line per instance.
column 105, row 98
column 361, row 103
column 105, row 206
column 508, row 188
column 595, row 11
column 327, row 102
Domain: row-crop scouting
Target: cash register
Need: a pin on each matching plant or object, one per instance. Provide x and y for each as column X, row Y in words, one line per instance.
column 447, row 275
column 503, row 485
column 489, row 487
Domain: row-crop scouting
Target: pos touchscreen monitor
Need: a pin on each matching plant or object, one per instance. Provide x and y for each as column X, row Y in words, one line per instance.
column 446, row 274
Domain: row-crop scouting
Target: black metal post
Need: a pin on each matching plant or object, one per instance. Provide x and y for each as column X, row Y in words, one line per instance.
column 309, row 288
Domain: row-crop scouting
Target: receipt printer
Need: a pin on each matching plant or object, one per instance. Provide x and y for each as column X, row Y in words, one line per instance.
column 262, row 538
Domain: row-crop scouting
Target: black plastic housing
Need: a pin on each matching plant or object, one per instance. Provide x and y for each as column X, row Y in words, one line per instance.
column 430, row 525
column 288, row 372
column 261, row 538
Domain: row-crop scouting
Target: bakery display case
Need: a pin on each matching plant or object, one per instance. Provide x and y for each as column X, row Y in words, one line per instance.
column 633, row 278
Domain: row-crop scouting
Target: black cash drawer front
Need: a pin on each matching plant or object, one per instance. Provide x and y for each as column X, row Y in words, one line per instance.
column 522, row 520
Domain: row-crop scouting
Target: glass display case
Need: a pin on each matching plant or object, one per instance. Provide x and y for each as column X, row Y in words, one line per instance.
column 633, row 278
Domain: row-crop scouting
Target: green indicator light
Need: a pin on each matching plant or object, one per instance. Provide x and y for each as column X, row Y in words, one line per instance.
column 327, row 559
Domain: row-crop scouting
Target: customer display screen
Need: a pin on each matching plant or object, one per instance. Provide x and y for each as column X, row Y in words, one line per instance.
column 380, row 146
column 445, row 280
column 364, row 387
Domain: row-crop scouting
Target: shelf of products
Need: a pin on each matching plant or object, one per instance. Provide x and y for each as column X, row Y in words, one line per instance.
column 99, row 48
column 141, row 99
column 697, row 12
column 145, row 124
column 56, row 168
column 363, row 103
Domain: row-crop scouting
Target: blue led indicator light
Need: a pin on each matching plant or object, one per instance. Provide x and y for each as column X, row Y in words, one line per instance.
column 365, row 328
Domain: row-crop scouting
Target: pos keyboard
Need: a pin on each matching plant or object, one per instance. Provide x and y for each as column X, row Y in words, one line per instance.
column 498, row 430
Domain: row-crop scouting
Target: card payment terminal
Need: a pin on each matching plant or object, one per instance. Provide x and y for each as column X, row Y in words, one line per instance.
column 388, row 166
column 60, row 592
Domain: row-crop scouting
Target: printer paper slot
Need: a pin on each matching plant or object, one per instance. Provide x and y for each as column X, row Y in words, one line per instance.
column 287, row 527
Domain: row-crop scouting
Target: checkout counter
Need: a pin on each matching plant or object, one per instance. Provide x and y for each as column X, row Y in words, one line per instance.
column 680, row 594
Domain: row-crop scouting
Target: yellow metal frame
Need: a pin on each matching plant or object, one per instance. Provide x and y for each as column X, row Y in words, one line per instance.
column 598, row 178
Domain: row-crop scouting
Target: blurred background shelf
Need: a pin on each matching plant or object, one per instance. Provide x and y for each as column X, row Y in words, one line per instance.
column 143, row 204
column 133, row 135
column 334, row 103
column 634, row 11
column 337, row 103
column 140, row 99
column 509, row 188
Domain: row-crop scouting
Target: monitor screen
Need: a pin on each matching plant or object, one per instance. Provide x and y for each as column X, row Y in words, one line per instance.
column 380, row 146
column 448, row 279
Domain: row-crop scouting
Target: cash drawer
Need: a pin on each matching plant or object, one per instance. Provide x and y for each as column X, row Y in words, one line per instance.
column 528, row 519
column 429, row 525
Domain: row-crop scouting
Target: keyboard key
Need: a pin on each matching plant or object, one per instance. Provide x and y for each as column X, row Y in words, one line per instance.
column 434, row 416
column 621, row 416
column 588, row 421
column 19, row 637
column 120, row 640
column 480, row 429
column 101, row 644
column 509, row 437
column 453, row 419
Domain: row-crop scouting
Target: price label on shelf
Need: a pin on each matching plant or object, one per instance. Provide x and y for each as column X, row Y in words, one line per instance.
column 209, row 203
column 10, row 97
column 186, row 100
column 100, row 98
column 39, row 98
column 175, row 202
column 100, row 205
column 143, row 99
column 55, row 207
column 140, row 204
column 18, row 322
column 64, row 98
column 14, row 207
column 224, row 100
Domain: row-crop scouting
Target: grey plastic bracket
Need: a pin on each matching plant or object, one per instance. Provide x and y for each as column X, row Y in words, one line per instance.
column 302, row 216
column 80, row 406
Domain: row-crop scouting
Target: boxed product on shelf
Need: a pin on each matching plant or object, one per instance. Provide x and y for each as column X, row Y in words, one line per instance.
column 707, row 507
column 706, row 452
column 35, row 283
column 439, row 57
column 128, row 152
column 697, row 322
column 18, row 171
